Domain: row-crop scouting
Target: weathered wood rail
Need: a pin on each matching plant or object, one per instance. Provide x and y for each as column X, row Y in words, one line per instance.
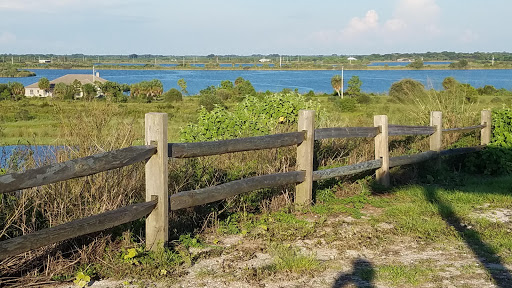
column 157, row 151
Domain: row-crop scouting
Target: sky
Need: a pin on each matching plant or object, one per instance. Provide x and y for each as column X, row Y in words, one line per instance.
column 246, row 27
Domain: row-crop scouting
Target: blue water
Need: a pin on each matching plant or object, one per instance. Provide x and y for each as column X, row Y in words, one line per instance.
column 38, row 152
column 377, row 81
column 406, row 63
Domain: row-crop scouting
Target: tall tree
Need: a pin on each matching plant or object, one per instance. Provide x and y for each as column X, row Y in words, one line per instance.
column 89, row 91
column 183, row 86
column 336, row 84
column 354, row 86
column 44, row 84
column 17, row 88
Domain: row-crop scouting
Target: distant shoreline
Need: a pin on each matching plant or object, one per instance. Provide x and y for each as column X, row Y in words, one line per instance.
column 346, row 68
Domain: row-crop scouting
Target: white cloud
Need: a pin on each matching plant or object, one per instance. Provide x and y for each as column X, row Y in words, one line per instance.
column 395, row 25
column 420, row 16
column 361, row 25
column 469, row 36
column 7, row 38
column 412, row 20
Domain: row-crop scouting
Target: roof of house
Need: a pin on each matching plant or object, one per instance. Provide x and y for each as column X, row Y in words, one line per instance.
column 69, row 78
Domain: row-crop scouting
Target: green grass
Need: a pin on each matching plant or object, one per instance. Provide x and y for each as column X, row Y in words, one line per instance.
column 405, row 275
column 289, row 259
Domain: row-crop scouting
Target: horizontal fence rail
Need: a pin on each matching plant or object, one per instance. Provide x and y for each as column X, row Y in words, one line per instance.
column 347, row 170
column 401, row 130
column 75, row 168
column 197, row 149
column 460, row 151
column 412, row 159
column 464, row 129
column 74, row 228
column 345, row 132
column 215, row 193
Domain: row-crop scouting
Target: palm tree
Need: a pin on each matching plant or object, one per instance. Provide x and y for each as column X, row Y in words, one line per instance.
column 336, row 84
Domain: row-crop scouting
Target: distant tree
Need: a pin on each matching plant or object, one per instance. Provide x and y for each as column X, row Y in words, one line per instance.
column 243, row 88
column 354, row 86
column 417, row 64
column 59, row 91
column 226, row 84
column 17, row 89
column 183, row 86
column 89, row 91
column 461, row 64
column 44, row 84
column 112, row 91
column 77, row 87
column 487, row 90
column 239, row 80
column 336, row 83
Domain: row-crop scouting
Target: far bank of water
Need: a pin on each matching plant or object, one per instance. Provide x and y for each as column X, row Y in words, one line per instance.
column 374, row 81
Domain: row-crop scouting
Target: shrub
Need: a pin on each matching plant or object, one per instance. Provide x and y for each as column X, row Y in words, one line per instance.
column 363, row 99
column 254, row 116
column 497, row 157
column 407, row 90
column 173, row 95
column 224, row 94
column 346, row 104
column 209, row 101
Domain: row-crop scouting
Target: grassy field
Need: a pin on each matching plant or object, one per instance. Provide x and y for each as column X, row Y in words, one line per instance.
column 435, row 227
column 41, row 121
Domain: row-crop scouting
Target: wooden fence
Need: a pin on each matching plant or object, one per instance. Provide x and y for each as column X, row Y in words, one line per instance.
column 156, row 152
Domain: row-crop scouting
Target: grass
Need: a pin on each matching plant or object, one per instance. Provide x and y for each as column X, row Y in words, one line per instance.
column 290, row 259
column 400, row 275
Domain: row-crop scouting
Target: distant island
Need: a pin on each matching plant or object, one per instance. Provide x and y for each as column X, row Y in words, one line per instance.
column 13, row 72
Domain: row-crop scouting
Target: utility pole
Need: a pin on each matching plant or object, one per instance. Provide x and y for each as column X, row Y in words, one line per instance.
column 342, row 82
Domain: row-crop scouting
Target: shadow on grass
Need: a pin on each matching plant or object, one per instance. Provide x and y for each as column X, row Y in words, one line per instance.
column 362, row 275
column 482, row 251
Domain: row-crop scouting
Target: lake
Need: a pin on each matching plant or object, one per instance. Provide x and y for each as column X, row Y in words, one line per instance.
column 374, row 81
column 39, row 152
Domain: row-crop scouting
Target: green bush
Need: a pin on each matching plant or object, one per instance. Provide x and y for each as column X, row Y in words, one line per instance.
column 497, row 157
column 209, row 101
column 254, row 116
column 407, row 90
column 224, row 94
column 363, row 99
column 346, row 104
column 173, row 95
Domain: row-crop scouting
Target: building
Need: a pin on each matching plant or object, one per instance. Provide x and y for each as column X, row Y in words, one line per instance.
column 33, row 90
column 263, row 60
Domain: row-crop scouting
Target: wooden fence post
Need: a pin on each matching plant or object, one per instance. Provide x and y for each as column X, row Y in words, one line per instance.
column 485, row 133
column 436, row 139
column 157, row 223
column 304, row 190
column 382, row 149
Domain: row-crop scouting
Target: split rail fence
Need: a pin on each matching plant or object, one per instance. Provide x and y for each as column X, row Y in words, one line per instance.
column 157, row 151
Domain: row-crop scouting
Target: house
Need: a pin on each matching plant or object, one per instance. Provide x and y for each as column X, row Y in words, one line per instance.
column 44, row 61
column 263, row 60
column 33, row 90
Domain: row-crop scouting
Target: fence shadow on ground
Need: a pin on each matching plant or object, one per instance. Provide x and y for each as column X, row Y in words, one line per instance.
column 362, row 275
column 483, row 252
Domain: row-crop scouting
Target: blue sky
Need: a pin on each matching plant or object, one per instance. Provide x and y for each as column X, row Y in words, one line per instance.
column 245, row 27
